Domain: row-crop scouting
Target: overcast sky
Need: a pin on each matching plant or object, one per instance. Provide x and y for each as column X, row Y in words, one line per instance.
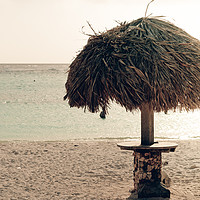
column 50, row 31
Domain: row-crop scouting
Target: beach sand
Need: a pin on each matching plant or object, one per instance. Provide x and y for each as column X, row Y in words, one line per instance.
column 96, row 170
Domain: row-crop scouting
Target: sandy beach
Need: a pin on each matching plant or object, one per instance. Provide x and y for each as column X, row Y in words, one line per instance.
column 96, row 170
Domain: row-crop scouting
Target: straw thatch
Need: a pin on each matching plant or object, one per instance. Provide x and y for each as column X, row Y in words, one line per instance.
column 146, row 60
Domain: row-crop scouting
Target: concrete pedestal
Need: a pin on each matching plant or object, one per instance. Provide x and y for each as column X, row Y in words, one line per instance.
column 147, row 168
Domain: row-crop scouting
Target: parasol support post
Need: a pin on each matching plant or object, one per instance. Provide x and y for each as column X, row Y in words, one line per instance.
column 147, row 124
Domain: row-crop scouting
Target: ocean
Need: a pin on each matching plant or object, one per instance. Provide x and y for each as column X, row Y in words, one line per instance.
column 32, row 108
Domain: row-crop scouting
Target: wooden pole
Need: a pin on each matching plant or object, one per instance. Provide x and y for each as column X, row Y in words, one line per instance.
column 147, row 124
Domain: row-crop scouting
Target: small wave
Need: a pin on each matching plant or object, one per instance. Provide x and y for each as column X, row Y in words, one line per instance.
column 117, row 138
column 5, row 102
column 53, row 69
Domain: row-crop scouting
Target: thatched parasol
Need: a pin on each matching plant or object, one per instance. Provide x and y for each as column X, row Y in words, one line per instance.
column 147, row 64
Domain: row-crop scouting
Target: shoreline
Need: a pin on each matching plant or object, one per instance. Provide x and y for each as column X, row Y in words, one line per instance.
column 158, row 139
column 88, row 170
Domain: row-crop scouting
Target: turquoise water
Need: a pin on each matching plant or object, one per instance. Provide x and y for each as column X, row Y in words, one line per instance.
column 32, row 108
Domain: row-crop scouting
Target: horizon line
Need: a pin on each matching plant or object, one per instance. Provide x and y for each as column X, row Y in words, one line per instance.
column 34, row 63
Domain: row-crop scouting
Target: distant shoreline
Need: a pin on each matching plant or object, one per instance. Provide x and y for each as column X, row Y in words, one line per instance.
column 33, row 66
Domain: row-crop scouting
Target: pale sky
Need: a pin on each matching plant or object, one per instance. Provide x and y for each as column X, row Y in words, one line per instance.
column 50, row 31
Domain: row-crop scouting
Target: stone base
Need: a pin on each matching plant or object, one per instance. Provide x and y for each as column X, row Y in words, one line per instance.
column 156, row 190
column 147, row 169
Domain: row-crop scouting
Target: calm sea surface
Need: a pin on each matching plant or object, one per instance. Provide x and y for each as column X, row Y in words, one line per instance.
column 32, row 108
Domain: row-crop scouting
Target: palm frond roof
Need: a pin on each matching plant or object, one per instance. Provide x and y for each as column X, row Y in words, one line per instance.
column 146, row 60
